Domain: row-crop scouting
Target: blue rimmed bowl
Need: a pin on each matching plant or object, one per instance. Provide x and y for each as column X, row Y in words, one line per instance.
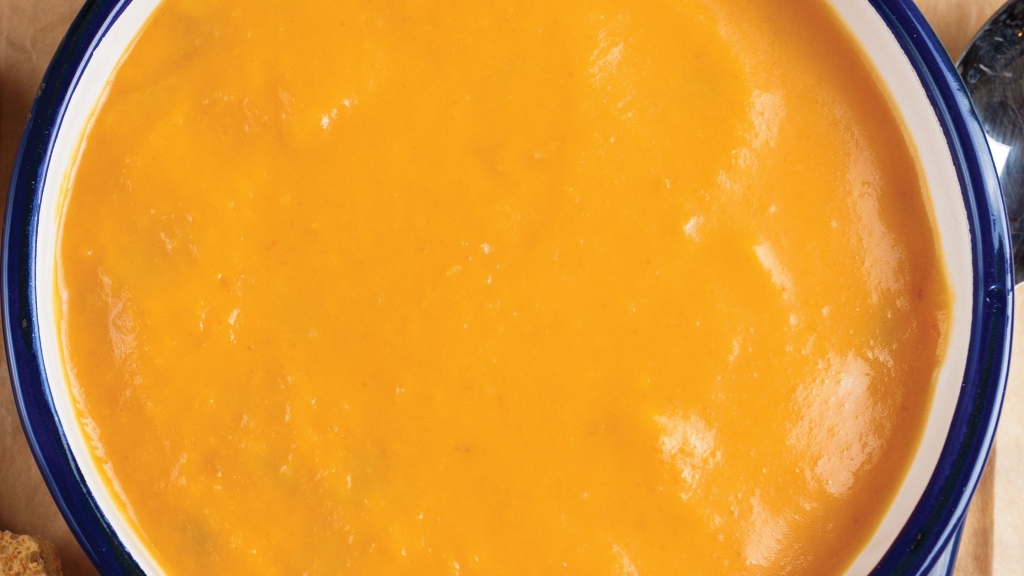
column 918, row 532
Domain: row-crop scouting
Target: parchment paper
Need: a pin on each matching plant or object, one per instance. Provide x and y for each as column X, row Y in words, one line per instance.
column 29, row 33
column 994, row 536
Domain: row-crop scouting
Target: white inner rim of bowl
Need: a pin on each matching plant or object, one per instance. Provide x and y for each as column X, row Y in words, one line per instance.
column 891, row 65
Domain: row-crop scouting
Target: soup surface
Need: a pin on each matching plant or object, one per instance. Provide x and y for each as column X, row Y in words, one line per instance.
column 508, row 287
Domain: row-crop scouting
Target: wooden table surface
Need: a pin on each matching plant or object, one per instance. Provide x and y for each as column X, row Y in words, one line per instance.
column 29, row 33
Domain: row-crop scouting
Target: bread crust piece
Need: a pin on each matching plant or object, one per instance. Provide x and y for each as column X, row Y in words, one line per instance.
column 27, row 556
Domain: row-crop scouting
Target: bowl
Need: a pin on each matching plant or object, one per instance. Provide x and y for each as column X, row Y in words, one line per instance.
column 919, row 530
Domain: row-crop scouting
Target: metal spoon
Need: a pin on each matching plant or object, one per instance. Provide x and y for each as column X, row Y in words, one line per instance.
column 993, row 70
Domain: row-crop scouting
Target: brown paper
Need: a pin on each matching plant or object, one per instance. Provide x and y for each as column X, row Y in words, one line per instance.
column 1008, row 485
column 29, row 33
column 995, row 524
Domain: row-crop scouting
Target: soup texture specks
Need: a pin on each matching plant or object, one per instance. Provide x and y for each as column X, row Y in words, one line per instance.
column 507, row 287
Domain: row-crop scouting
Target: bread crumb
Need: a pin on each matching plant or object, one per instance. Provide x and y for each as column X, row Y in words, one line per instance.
column 27, row 556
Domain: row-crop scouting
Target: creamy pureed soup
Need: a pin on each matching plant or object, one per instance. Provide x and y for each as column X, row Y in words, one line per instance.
column 509, row 287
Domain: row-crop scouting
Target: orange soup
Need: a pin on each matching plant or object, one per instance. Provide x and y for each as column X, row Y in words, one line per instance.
column 510, row 287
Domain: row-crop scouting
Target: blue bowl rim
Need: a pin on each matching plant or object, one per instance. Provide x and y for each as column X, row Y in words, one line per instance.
column 934, row 521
